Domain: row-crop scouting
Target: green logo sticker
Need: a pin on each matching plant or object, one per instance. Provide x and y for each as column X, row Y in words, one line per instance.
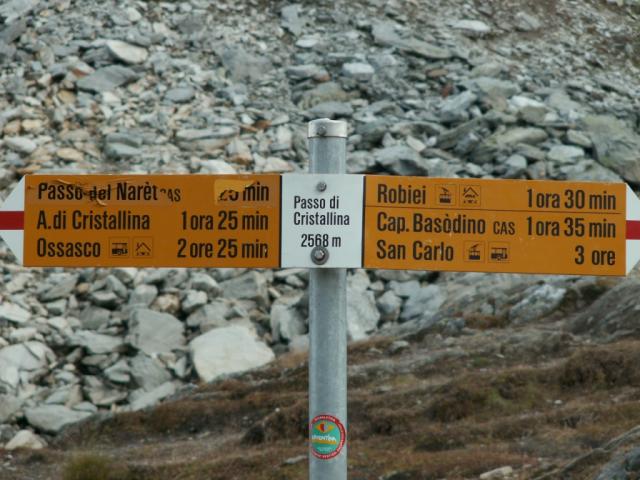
column 327, row 437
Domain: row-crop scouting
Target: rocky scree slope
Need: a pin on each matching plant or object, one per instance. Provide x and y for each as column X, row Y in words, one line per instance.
column 509, row 90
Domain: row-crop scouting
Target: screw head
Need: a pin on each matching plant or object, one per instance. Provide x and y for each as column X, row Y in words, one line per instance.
column 321, row 186
column 319, row 255
column 322, row 130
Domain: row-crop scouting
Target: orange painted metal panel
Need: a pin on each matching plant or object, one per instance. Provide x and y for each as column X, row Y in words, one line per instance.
column 479, row 225
column 152, row 220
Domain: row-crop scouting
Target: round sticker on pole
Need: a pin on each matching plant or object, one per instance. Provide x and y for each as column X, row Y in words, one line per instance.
column 327, row 437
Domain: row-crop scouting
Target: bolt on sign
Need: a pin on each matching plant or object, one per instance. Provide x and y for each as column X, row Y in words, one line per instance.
column 516, row 226
column 323, row 221
column 144, row 220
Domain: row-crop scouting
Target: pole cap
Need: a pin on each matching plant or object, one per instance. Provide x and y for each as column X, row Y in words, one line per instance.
column 325, row 127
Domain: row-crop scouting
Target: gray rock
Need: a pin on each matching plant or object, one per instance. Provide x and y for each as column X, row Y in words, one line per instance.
column 180, row 94
column 286, row 322
column 106, row 79
column 472, row 27
column 616, row 145
column 251, row 286
column 299, row 344
column 57, row 307
column 359, row 71
column 565, row 154
column 62, row 285
column 21, row 144
column 538, row 301
column 96, row 343
column 148, row 373
column 525, row 22
column 13, row 10
column 332, row 110
column 106, row 299
column 7, row 432
column 590, row 171
column 227, row 350
column 120, row 151
column 501, row 473
column 14, row 313
column 362, row 314
column 118, row 372
column 154, row 332
column 212, row 315
column 21, row 335
column 389, row 305
column 454, row 108
column 303, row 72
column 127, row 53
column 506, row 141
column 93, row 318
column 9, row 405
column 193, row 300
column 401, row 160
column 143, row 295
column 53, row 418
column 405, row 288
column 26, row 356
column 25, row 439
column 492, row 87
column 564, row 105
column 245, row 67
column 148, row 399
column 85, row 407
column 101, row 393
column 206, row 283
column 425, row 302
column 624, row 466
column 384, row 34
column 613, row 315
column 191, row 135
column 575, row 137
column 9, row 377
column 12, row 31
column 463, row 132
column 517, row 165
column 7, row 52
column 291, row 18
column 125, row 138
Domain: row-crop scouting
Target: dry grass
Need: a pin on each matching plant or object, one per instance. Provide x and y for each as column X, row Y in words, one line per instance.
column 453, row 419
column 95, row 467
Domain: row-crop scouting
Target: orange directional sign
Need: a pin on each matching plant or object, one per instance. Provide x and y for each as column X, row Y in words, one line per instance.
column 323, row 221
column 145, row 220
column 500, row 226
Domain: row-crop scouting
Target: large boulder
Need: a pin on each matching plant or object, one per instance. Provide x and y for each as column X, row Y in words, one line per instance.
column 227, row 350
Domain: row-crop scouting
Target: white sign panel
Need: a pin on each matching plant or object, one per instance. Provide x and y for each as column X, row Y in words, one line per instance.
column 323, row 212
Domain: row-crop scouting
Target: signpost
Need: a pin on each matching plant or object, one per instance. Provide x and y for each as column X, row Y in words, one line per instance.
column 327, row 221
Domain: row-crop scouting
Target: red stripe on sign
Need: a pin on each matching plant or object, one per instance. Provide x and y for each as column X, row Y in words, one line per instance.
column 633, row 230
column 11, row 220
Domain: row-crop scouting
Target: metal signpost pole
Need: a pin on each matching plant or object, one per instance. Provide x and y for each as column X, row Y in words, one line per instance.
column 327, row 322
